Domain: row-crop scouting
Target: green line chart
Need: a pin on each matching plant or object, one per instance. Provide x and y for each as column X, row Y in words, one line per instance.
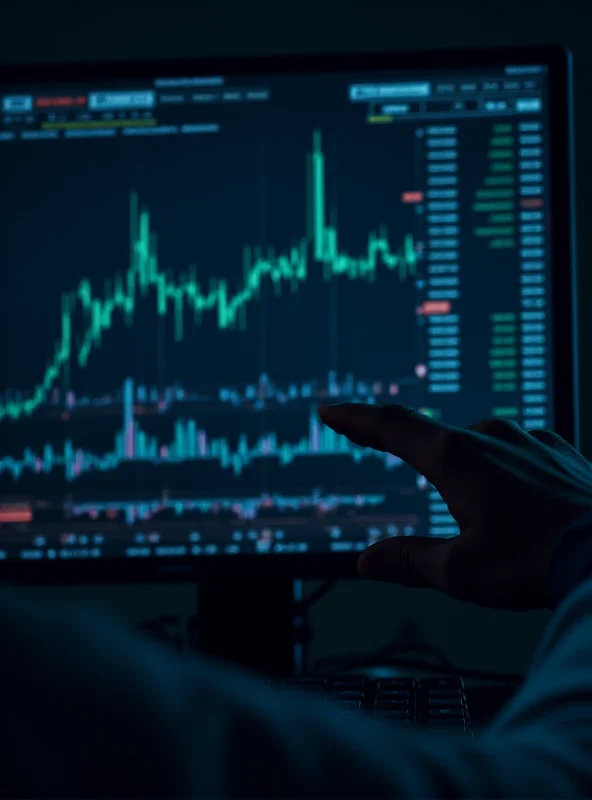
column 318, row 250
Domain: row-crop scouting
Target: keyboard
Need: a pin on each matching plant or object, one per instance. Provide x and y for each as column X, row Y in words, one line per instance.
column 435, row 704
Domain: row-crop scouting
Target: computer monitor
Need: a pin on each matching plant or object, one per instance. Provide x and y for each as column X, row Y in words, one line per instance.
column 197, row 254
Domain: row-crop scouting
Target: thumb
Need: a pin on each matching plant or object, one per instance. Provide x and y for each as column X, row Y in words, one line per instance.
column 416, row 561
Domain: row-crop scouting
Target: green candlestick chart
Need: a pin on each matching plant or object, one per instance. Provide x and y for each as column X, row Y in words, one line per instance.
column 318, row 250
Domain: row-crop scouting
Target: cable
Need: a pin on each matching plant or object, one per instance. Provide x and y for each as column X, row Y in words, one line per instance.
column 302, row 629
column 308, row 602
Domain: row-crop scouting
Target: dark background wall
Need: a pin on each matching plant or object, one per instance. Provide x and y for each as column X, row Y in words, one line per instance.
column 356, row 615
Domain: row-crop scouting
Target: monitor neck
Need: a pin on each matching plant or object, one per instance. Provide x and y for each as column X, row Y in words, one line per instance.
column 249, row 621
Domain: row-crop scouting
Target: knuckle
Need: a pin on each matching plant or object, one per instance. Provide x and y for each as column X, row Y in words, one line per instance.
column 388, row 414
column 544, row 435
column 496, row 426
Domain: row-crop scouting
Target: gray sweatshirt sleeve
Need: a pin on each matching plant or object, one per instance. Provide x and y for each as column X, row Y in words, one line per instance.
column 89, row 710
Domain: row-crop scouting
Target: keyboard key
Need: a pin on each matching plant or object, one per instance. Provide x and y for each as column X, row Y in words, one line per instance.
column 345, row 683
column 445, row 693
column 392, row 704
column 397, row 683
column 442, row 683
column 453, row 724
column 400, row 713
column 445, row 702
column 348, row 694
column 446, row 713
column 394, row 693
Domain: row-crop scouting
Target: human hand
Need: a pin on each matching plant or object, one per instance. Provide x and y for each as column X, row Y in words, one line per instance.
column 510, row 491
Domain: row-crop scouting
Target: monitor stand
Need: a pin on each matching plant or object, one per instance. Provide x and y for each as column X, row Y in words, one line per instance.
column 249, row 621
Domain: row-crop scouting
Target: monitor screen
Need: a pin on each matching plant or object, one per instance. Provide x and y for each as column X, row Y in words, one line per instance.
column 193, row 263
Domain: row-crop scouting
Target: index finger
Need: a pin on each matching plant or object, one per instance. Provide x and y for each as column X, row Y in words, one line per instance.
column 413, row 437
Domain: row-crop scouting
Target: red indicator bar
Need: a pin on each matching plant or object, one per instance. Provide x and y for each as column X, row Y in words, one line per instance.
column 434, row 307
column 412, row 197
column 532, row 202
column 16, row 513
column 60, row 102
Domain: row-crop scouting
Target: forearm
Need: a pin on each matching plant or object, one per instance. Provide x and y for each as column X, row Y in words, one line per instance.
column 116, row 717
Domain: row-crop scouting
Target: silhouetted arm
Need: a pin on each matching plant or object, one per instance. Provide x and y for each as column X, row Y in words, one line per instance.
column 89, row 710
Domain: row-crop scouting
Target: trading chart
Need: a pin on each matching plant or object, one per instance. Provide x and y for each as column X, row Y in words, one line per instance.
column 191, row 269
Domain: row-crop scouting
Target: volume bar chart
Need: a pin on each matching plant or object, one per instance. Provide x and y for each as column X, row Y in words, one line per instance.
column 190, row 443
column 242, row 508
column 257, row 394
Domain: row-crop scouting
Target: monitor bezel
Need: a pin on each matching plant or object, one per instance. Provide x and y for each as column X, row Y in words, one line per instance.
column 563, row 280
